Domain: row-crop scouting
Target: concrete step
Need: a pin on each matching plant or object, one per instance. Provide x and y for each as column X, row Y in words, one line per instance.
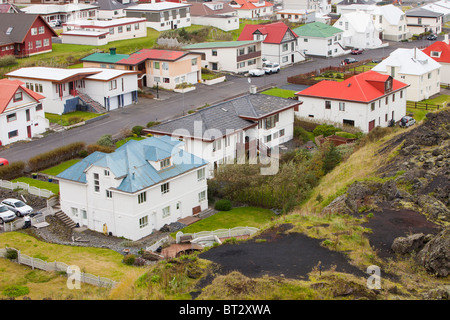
column 65, row 219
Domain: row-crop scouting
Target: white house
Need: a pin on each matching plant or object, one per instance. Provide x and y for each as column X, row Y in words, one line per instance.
column 230, row 130
column 297, row 16
column 440, row 51
column 21, row 113
column 100, row 32
column 421, row 20
column 135, row 190
column 323, row 6
column 63, row 12
column 96, row 89
column 359, row 30
column 365, row 100
column 110, row 9
column 229, row 56
column 442, row 6
column 279, row 42
column 320, row 39
column 391, row 22
column 250, row 9
column 162, row 16
column 415, row 68
column 216, row 14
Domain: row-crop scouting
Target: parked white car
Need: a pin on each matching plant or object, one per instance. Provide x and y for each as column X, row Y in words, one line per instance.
column 407, row 121
column 6, row 215
column 19, row 207
column 271, row 67
column 256, row 72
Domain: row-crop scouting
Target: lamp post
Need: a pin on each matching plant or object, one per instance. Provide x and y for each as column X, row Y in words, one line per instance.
column 157, row 90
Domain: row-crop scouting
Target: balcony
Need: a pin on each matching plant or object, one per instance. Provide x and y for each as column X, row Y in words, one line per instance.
column 248, row 56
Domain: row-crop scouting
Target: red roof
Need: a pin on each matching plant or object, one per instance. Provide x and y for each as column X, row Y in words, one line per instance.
column 248, row 4
column 364, row 87
column 9, row 87
column 152, row 54
column 439, row 46
column 275, row 32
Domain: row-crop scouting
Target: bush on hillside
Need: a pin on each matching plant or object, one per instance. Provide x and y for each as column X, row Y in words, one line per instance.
column 12, row 170
column 325, row 130
column 223, row 205
column 56, row 156
column 106, row 141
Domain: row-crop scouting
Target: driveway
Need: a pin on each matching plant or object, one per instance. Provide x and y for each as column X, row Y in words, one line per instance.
column 172, row 105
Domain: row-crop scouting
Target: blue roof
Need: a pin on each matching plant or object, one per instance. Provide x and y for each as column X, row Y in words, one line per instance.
column 130, row 163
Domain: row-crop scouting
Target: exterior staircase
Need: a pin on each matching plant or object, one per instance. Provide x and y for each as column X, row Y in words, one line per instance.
column 65, row 219
column 97, row 107
column 206, row 213
column 56, row 127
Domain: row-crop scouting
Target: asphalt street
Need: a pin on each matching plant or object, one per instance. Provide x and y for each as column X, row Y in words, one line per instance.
column 171, row 105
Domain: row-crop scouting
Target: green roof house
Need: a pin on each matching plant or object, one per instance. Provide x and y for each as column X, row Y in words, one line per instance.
column 105, row 60
column 320, row 39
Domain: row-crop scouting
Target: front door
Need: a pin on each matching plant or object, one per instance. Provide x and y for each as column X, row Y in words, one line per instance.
column 371, row 125
column 29, row 131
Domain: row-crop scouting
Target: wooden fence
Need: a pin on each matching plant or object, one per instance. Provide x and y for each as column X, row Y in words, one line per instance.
column 56, row 266
column 220, row 233
column 22, row 185
column 422, row 105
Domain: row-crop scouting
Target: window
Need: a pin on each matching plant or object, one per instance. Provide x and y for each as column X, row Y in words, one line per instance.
column 165, row 66
column 401, row 94
column 165, row 188
column 11, row 117
column 393, row 97
column 157, row 79
column 372, row 106
column 285, row 47
column 106, row 172
column 142, row 197
column 429, row 75
column 217, row 145
column 156, row 65
column 166, row 212
column 166, row 80
column 270, row 122
column 108, row 194
column 96, row 182
column 18, row 96
column 281, row 132
column 285, row 59
column 201, row 174
column 268, row 138
column 83, row 213
column 341, row 106
column 13, row 134
column 251, row 62
column 111, row 30
column 136, row 26
column 128, row 27
column 39, row 107
column 214, row 53
column 33, row 31
column 143, row 222
column 202, row 196
column 74, row 211
column 194, row 62
column 305, row 40
column 251, row 49
column 241, row 51
column 120, row 29
column 327, row 104
column 38, row 43
column 164, row 163
column 41, row 30
column 113, row 84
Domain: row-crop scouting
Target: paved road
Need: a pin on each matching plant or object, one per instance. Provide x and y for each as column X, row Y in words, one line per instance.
column 172, row 105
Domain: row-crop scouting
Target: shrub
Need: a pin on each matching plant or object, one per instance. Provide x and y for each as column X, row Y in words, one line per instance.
column 152, row 123
column 55, row 156
column 15, row 291
column 137, row 130
column 12, row 171
column 7, row 61
column 129, row 259
column 74, row 119
column 325, row 130
column 95, row 147
column 344, row 134
column 331, row 158
column 301, row 134
column 106, row 141
column 223, row 205
column 83, row 153
column 11, row 254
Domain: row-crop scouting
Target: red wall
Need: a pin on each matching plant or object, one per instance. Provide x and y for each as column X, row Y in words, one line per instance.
column 29, row 38
column 6, row 52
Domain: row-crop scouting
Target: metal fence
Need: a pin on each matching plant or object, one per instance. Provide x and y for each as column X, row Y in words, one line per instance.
column 220, row 233
column 22, row 185
column 56, row 266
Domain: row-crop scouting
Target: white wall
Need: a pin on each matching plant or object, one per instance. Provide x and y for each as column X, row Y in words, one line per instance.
column 321, row 46
column 221, row 22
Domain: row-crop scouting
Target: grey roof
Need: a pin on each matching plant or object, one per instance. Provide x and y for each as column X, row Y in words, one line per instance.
column 223, row 118
column 350, row 2
column 110, row 4
column 20, row 23
column 421, row 12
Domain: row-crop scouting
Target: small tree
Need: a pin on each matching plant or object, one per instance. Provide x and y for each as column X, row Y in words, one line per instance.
column 106, row 141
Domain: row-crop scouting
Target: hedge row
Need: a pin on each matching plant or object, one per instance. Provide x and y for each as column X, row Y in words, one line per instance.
column 12, row 170
column 51, row 158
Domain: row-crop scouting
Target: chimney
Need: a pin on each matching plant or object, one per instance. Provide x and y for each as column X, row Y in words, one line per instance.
column 112, row 51
column 446, row 38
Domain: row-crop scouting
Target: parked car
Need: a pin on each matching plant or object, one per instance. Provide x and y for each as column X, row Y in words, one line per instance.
column 432, row 37
column 6, row 215
column 256, row 72
column 357, row 51
column 19, row 207
column 271, row 67
column 55, row 23
column 349, row 60
column 407, row 121
column 3, row 162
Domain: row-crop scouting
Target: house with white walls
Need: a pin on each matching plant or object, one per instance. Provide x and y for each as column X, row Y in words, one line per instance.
column 63, row 12
column 229, row 131
column 93, row 89
column 279, row 42
column 439, row 51
column 100, row 32
column 228, row 56
column 412, row 66
column 137, row 189
column 365, row 101
column 391, row 22
column 21, row 113
column 346, row 6
column 162, row 16
column 421, row 20
column 110, row 9
column 359, row 30
column 296, row 16
column 216, row 14
column 251, row 9
column 323, row 6
column 320, row 39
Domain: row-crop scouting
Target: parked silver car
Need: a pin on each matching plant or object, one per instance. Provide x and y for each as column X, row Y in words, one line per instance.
column 407, row 121
column 19, row 207
column 6, row 215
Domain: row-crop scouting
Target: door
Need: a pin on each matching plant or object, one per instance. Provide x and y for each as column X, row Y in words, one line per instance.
column 371, row 125
column 29, row 131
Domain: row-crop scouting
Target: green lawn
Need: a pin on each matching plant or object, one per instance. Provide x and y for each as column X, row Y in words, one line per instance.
column 282, row 93
column 123, row 141
column 54, row 171
column 53, row 187
column 236, row 217
column 70, row 118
